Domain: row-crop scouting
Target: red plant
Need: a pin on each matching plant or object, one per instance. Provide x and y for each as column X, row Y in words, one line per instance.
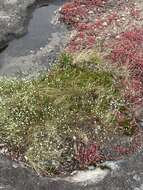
column 77, row 10
column 72, row 12
column 88, row 154
column 75, row 14
column 122, row 149
column 127, row 51
column 135, row 13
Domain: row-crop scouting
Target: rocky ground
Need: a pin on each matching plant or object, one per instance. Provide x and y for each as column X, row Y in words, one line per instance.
column 15, row 16
column 126, row 174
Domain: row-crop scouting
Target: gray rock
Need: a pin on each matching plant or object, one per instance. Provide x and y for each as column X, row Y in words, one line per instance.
column 33, row 53
column 13, row 17
column 125, row 175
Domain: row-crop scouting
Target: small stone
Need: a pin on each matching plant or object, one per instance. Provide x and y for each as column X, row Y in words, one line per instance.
column 91, row 12
column 138, row 114
column 104, row 24
column 91, row 167
column 15, row 165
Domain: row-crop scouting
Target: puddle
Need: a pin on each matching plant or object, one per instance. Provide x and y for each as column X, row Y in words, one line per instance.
column 41, row 31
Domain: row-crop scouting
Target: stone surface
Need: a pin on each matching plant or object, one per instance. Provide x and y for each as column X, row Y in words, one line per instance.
column 13, row 14
column 32, row 53
column 123, row 175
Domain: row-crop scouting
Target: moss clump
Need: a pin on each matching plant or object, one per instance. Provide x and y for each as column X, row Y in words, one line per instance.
column 39, row 118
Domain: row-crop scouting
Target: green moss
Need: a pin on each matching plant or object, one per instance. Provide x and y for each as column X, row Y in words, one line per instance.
column 40, row 117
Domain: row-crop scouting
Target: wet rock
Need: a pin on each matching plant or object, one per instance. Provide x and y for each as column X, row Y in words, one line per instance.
column 31, row 54
column 13, row 14
column 3, row 46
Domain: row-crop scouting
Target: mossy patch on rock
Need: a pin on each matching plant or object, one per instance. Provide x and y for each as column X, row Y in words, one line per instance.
column 44, row 120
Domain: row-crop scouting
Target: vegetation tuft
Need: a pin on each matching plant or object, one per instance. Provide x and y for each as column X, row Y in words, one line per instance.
column 52, row 122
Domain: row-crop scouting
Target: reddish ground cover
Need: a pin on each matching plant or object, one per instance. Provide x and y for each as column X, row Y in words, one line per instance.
column 115, row 28
column 99, row 19
column 76, row 14
column 127, row 51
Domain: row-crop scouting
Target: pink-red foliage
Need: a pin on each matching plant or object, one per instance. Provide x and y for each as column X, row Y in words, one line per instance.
column 75, row 14
column 77, row 10
column 88, row 154
column 127, row 51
